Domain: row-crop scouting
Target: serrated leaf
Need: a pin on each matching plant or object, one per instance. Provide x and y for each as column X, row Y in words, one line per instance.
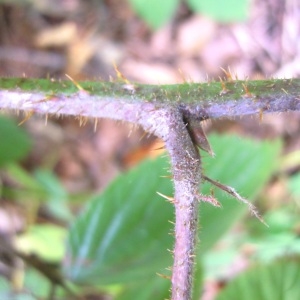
column 155, row 12
column 123, row 235
column 15, row 143
column 278, row 280
column 222, row 10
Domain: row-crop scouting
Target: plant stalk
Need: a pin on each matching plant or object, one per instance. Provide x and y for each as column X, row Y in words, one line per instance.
column 198, row 101
column 166, row 112
column 186, row 167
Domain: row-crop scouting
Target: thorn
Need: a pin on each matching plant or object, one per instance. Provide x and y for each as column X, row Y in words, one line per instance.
column 131, row 128
column 236, row 76
column 227, row 73
column 80, row 88
column 170, row 199
column 143, row 135
column 210, row 199
column 231, row 191
column 166, row 176
column 261, row 115
column 82, row 120
column 212, row 192
column 159, row 148
column 164, row 276
column 120, row 75
column 95, row 124
column 198, row 136
column 225, row 90
column 182, row 76
column 28, row 115
column 247, row 94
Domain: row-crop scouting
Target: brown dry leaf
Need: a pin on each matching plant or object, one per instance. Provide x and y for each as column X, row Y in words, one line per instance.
column 194, row 34
column 222, row 51
column 152, row 150
column 107, row 51
column 56, row 7
column 78, row 54
column 151, row 73
column 57, row 36
column 161, row 44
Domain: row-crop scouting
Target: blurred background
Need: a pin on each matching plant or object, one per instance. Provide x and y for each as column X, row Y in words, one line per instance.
column 153, row 42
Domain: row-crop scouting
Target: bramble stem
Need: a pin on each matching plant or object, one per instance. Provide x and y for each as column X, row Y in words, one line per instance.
column 162, row 110
column 198, row 101
column 186, row 167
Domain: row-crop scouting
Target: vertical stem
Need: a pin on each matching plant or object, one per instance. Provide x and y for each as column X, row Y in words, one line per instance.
column 186, row 167
column 185, row 243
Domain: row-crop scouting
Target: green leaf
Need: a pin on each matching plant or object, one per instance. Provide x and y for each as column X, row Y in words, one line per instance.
column 55, row 195
column 222, row 10
column 198, row 279
column 155, row 12
column 243, row 164
column 155, row 288
column 276, row 281
column 124, row 234
column 24, row 178
column 35, row 286
column 15, row 143
column 294, row 185
column 45, row 241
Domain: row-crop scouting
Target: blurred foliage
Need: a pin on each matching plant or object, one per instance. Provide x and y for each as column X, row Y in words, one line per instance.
column 294, row 185
column 275, row 281
column 44, row 240
column 34, row 287
column 226, row 11
column 157, row 13
column 120, row 241
column 15, row 143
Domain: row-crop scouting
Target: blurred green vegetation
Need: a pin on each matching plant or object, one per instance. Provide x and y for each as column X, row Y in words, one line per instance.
column 157, row 13
column 118, row 244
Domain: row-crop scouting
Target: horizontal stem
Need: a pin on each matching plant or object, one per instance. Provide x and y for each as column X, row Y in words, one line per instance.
column 128, row 101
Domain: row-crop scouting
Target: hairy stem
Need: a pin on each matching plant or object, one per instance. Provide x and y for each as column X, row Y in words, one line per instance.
column 106, row 99
column 168, row 124
column 186, row 165
column 170, row 112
